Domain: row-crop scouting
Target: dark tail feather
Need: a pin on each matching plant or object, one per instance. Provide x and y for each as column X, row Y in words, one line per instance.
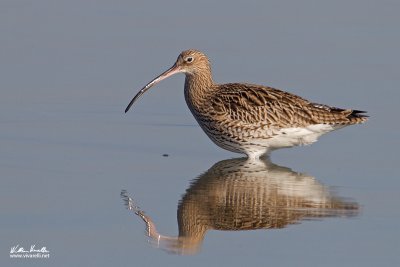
column 355, row 111
column 358, row 116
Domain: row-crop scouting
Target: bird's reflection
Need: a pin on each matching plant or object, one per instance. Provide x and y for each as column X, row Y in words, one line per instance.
column 241, row 194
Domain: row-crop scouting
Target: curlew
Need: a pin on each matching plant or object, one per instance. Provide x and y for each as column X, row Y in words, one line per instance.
column 248, row 118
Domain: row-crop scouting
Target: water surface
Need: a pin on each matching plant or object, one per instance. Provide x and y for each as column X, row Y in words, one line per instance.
column 240, row 195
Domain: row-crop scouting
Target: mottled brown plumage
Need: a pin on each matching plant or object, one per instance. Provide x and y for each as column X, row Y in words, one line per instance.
column 248, row 118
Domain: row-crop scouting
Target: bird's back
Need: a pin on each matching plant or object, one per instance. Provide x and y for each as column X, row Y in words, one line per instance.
column 251, row 104
column 247, row 117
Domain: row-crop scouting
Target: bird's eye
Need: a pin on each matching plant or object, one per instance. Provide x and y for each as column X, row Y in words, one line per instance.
column 189, row 59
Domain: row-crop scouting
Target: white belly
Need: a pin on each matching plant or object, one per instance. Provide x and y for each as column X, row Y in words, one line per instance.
column 258, row 143
column 288, row 137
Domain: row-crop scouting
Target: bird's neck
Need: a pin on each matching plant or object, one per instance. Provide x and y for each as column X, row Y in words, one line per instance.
column 198, row 87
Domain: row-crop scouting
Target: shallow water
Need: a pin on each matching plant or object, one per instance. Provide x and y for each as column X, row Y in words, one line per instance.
column 68, row 150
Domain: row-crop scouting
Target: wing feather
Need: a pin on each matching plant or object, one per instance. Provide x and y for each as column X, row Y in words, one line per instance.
column 250, row 104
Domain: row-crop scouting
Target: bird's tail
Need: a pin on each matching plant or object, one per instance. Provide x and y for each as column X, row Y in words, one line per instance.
column 357, row 116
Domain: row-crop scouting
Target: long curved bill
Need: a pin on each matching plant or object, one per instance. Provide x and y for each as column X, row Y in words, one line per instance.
column 171, row 71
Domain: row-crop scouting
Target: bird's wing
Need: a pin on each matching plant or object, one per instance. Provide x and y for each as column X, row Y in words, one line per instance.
column 265, row 106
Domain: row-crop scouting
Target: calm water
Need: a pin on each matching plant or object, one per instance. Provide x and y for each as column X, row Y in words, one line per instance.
column 69, row 68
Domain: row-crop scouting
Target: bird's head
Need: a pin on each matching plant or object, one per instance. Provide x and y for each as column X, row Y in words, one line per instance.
column 191, row 62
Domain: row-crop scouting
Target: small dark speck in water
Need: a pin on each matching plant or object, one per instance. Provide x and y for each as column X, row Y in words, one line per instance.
column 165, row 155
